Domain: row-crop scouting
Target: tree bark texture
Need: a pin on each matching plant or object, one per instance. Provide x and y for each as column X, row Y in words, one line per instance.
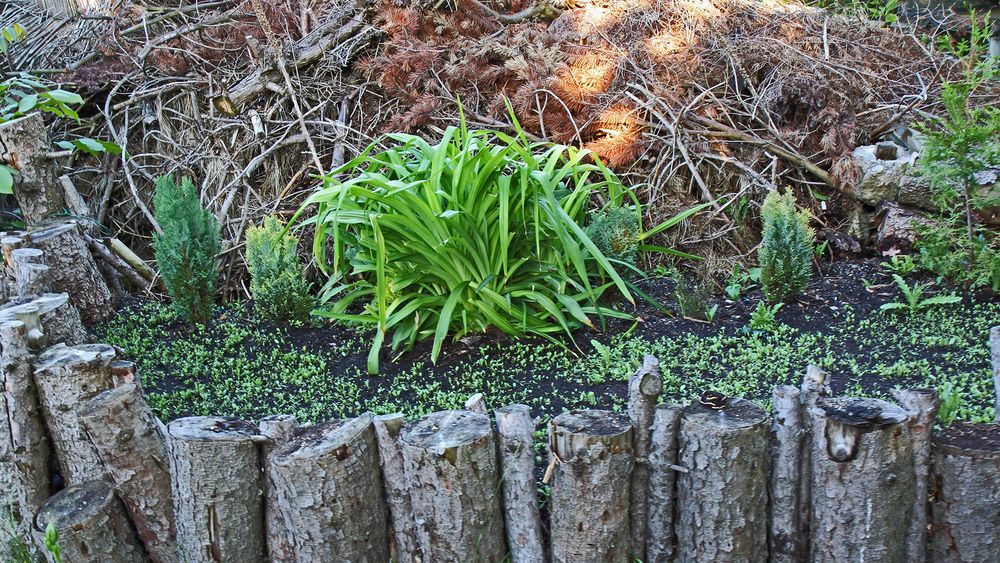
column 589, row 514
column 131, row 442
column 643, row 389
column 663, row 470
column 29, row 273
column 73, row 270
column 450, row 460
column 403, row 532
column 92, row 524
column 217, row 489
column 59, row 321
column 922, row 406
column 330, row 493
column 516, row 441
column 966, row 505
column 722, row 499
column 68, row 376
column 995, row 357
column 280, row 429
column 24, row 144
column 787, row 533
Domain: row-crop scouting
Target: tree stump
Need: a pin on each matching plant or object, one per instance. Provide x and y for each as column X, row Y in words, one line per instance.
column 787, row 534
column 922, row 405
column 663, row 470
column 280, row 429
column 60, row 321
column 516, row 437
column 589, row 515
column 451, row 463
column 966, row 505
column 67, row 376
column 722, row 499
column 92, row 525
column 24, row 144
column 216, row 483
column 29, row 272
column 73, row 269
column 403, row 529
column 862, row 481
column 643, row 389
column 130, row 441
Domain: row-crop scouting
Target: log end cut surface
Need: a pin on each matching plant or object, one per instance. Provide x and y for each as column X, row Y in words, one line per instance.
column 739, row 414
column 61, row 355
column 444, row 430
column 211, row 428
column 970, row 439
column 75, row 505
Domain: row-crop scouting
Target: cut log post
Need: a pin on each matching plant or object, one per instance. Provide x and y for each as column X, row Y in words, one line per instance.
column 589, row 516
column 24, row 447
column 67, row 376
column 862, row 481
column 24, row 144
column 73, row 269
column 92, row 525
column 995, row 357
column 403, row 530
column 923, row 405
column 330, row 493
column 814, row 387
column 280, row 429
column 217, row 489
column 787, row 534
column 451, row 464
column 30, row 274
column 476, row 403
column 663, row 470
column 966, row 506
column 131, row 442
column 722, row 499
column 516, row 442
column 643, row 390
column 60, row 321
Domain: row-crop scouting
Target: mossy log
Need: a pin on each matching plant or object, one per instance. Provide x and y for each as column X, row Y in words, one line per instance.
column 786, row 537
column 663, row 471
column 516, row 443
column 279, row 429
column 403, row 529
column 73, row 270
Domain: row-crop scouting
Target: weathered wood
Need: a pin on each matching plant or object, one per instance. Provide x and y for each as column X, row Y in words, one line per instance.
column 60, row 321
column 451, row 463
column 132, row 444
column 403, row 529
column 722, row 499
column 862, row 481
column 476, row 403
column 995, row 357
column 966, row 505
column 24, row 447
column 814, row 386
column 662, row 480
column 73, row 270
column 923, row 405
column 92, row 524
column 67, row 376
column 330, row 491
column 24, row 144
column 280, row 429
column 30, row 273
column 217, row 488
column 516, row 441
column 589, row 515
column 643, row 389
column 786, row 538
column 123, row 371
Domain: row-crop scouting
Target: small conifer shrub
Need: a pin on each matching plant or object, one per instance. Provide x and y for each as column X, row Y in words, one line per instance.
column 280, row 290
column 186, row 249
column 616, row 233
column 786, row 249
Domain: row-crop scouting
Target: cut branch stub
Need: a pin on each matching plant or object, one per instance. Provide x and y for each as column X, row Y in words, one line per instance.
column 335, row 466
column 662, row 478
column 589, row 505
column 403, row 537
column 516, row 436
column 451, row 463
column 73, row 270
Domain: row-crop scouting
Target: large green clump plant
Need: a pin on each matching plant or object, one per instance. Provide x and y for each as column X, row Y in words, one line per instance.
column 479, row 230
column 280, row 290
column 186, row 249
column 786, row 248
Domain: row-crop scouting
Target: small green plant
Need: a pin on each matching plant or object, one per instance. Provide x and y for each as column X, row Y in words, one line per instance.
column 740, row 281
column 764, row 317
column 902, row 264
column 786, row 249
column 280, row 290
column 692, row 298
column 710, row 312
column 951, row 402
column 52, row 542
column 185, row 251
column 615, row 232
column 914, row 296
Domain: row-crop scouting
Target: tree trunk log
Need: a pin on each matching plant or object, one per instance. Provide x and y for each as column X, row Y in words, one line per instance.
column 589, row 515
column 67, row 376
column 922, row 405
column 787, row 532
column 403, row 536
column 280, row 429
column 92, row 524
column 24, row 144
column 30, row 274
column 73, row 270
column 995, row 357
column 966, row 506
column 330, row 493
column 516, row 441
column 451, row 463
column 722, row 499
column 132, row 444
column 862, row 481
column 662, row 480
column 814, row 386
column 216, row 483
column 60, row 321
column 643, row 389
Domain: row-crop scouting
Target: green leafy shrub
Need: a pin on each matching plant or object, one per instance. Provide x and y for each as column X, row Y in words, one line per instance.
column 786, row 249
column 615, row 231
column 186, row 249
column 280, row 290
column 481, row 229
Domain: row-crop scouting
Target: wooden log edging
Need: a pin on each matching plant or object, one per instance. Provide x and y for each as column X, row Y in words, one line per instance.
column 59, row 321
column 643, row 390
column 72, row 269
column 403, row 529
column 923, row 405
column 279, row 429
column 786, row 535
column 663, row 470
column 516, row 441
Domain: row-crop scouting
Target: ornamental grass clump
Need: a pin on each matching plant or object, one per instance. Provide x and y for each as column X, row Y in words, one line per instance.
column 186, row 249
column 786, row 249
column 279, row 288
column 479, row 230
